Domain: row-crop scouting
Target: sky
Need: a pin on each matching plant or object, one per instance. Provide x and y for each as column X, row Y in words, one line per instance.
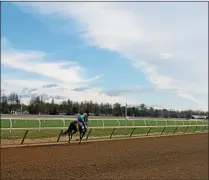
column 153, row 53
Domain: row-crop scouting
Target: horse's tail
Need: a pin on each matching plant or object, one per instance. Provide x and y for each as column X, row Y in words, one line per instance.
column 69, row 130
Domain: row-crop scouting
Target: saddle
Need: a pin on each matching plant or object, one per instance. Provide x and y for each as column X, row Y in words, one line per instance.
column 81, row 125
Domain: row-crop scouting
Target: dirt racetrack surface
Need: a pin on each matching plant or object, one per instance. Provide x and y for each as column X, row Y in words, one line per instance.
column 177, row 157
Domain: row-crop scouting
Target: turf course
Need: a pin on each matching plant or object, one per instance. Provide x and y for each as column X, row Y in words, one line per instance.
column 17, row 123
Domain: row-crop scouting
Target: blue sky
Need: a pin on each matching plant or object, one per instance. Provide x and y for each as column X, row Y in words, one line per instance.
column 145, row 51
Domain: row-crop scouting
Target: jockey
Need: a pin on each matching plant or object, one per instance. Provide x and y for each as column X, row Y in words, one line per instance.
column 81, row 118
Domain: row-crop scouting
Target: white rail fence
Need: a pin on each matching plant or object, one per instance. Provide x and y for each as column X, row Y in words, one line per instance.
column 112, row 127
column 120, row 122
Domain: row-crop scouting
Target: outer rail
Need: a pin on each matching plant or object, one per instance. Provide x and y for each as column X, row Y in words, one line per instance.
column 133, row 121
column 99, row 118
column 109, row 127
column 105, row 127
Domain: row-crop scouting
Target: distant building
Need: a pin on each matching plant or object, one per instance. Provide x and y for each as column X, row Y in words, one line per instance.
column 25, row 112
column 63, row 113
column 197, row 117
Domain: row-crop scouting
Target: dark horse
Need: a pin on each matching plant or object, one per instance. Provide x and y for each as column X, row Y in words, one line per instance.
column 74, row 127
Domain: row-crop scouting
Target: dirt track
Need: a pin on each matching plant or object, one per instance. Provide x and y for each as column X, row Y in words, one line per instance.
column 178, row 157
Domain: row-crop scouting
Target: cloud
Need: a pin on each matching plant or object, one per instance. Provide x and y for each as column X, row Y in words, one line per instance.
column 81, row 89
column 142, row 31
column 28, row 90
column 39, row 62
column 137, row 90
column 63, row 81
column 60, row 93
column 166, row 55
column 2, row 90
column 49, row 85
column 125, row 92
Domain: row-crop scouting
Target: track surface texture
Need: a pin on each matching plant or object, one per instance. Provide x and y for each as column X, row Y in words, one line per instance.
column 177, row 157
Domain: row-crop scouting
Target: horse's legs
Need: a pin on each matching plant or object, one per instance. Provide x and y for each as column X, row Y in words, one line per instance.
column 82, row 135
column 67, row 131
column 73, row 133
column 70, row 134
column 70, row 137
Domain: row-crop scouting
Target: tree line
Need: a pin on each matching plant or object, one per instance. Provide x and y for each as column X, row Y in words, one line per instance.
column 12, row 103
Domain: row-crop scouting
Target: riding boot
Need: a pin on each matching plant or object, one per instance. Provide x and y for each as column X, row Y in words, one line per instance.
column 85, row 127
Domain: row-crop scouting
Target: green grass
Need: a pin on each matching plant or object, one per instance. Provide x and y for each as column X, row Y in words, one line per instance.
column 6, row 134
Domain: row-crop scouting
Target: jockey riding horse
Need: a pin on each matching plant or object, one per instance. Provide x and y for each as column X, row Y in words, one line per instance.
column 77, row 126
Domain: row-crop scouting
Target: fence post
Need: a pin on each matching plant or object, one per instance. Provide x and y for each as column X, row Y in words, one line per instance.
column 10, row 120
column 88, row 134
column 59, row 135
column 26, row 132
column 133, row 122
column 165, row 122
column 203, row 128
column 186, row 129
column 145, row 123
column 163, row 130
column 63, row 122
column 149, row 131
column 132, row 132
column 39, row 122
column 112, row 133
column 102, row 123
column 118, row 122
column 195, row 129
column 175, row 130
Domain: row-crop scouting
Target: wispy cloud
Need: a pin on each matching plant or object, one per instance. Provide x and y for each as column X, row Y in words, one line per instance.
column 166, row 55
column 137, row 90
column 141, row 32
column 81, row 89
column 49, row 85
column 39, row 62
column 67, row 79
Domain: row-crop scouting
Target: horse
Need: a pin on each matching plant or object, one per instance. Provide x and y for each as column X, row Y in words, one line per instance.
column 74, row 127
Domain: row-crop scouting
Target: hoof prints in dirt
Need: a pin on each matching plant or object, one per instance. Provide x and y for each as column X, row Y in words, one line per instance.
column 177, row 157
